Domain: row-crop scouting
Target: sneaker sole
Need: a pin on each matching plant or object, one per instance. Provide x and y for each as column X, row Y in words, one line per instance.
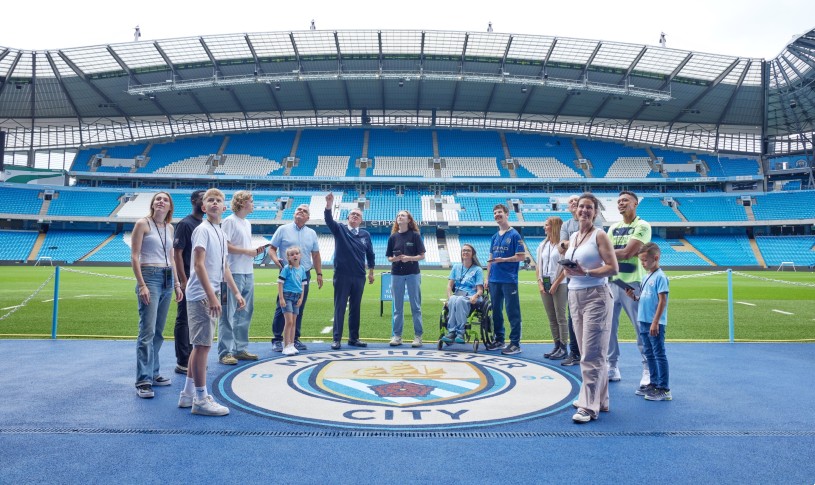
column 205, row 413
column 184, row 404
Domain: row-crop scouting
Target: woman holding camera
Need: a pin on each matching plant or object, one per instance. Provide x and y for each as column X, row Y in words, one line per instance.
column 589, row 261
column 554, row 296
column 405, row 250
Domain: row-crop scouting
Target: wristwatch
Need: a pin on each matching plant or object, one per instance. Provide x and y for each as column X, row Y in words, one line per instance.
column 587, row 274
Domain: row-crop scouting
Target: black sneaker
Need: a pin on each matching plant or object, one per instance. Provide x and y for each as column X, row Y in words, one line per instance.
column 549, row 354
column 572, row 359
column 511, row 349
column 494, row 346
column 180, row 369
column 300, row 345
column 145, row 391
column 277, row 345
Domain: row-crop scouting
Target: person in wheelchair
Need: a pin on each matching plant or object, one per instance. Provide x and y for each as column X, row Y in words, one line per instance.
column 465, row 288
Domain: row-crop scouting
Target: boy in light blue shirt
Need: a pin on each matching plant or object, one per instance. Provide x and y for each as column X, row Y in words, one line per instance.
column 653, row 320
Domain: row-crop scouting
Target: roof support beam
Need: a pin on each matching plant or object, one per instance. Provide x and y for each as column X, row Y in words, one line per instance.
column 543, row 75
column 625, row 77
column 91, row 85
column 300, row 69
column 664, row 85
column 177, row 75
column 68, row 94
column 259, row 69
column 218, row 73
column 707, row 90
column 11, row 70
column 340, row 69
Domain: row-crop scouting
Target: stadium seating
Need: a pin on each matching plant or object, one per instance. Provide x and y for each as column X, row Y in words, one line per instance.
column 19, row 201
column 248, row 165
column 163, row 154
column 83, row 203
column 70, row 246
column 389, row 143
column 16, row 245
column 333, row 143
column 799, row 250
column 117, row 250
column 547, row 167
column 652, row 210
column 785, row 206
column 699, row 209
column 730, row 167
column 603, row 155
column 725, row 250
column 671, row 257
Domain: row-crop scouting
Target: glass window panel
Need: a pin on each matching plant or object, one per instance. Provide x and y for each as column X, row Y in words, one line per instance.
column 487, row 45
column 63, row 68
column 661, row 61
column 705, row 66
column 315, row 42
column 528, row 47
column 23, row 67
column 358, row 42
column 139, row 55
column 43, row 67
column 7, row 61
column 616, row 55
column 92, row 60
column 182, row 51
column 401, row 42
column 273, row 44
column 228, row 47
column 443, row 43
column 573, row 51
column 735, row 74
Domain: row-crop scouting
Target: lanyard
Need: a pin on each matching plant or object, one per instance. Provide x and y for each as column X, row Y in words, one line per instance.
column 221, row 243
column 461, row 280
column 646, row 279
column 163, row 240
column 577, row 244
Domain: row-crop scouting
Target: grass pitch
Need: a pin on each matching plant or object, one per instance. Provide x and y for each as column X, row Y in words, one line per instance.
column 100, row 302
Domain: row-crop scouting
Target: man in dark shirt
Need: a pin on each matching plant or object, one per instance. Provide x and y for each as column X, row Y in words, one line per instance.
column 352, row 247
column 182, row 245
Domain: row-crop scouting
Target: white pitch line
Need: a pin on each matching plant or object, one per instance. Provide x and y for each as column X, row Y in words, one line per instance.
column 782, row 312
column 10, row 307
column 745, row 303
column 327, row 329
column 89, row 296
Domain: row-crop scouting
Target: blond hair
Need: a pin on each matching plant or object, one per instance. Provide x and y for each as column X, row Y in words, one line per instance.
column 239, row 199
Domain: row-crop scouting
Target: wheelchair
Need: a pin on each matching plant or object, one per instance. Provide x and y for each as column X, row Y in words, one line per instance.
column 478, row 327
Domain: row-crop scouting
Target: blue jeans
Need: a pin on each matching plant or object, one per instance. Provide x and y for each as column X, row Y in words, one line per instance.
column 413, row 283
column 654, row 349
column 279, row 321
column 500, row 293
column 459, row 309
column 152, row 319
column 233, row 327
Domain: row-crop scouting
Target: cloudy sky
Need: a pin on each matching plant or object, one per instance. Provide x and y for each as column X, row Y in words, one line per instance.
column 747, row 28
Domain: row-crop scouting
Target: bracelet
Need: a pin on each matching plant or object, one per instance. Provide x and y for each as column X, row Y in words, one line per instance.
column 319, row 274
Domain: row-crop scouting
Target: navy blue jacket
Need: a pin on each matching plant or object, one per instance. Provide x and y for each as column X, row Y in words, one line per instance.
column 350, row 252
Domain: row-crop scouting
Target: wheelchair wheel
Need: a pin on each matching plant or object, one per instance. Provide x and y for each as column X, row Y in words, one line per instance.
column 441, row 344
column 475, row 346
column 486, row 330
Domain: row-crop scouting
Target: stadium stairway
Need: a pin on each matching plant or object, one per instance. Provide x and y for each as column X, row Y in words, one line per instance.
column 503, row 137
column 46, row 203
column 750, row 217
column 35, row 249
column 679, row 214
column 756, row 250
column 100, row 246
column 687, row 246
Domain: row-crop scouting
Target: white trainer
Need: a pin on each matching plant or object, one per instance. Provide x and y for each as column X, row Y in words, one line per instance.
column 417, row 342
column 396, row 341
column 208, row 407
column 290, row 350
column 614, row 374
column 646, row 376
column 185, row 400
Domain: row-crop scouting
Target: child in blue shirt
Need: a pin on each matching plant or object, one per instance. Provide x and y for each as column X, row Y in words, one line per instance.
column 653, row 318
column 290, row 295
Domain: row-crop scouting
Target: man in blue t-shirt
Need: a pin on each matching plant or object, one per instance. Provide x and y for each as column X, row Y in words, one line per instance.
column 506, row 251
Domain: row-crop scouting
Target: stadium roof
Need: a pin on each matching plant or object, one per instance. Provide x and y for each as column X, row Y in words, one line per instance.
column 637, row 93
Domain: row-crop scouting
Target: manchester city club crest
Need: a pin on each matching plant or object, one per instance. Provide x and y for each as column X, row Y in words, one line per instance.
column 398, row 389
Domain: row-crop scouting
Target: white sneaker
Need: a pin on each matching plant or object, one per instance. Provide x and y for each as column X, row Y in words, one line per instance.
column 646, row 377
column 582, row 416
column 208, row 407
column 290, row 350
column 396, row 341
column 185, row 400
column 417, row 342
column 614, row 374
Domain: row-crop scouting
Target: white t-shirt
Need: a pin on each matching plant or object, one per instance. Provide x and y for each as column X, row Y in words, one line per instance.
column 548, row 256
column 239, row 233
column 213, row 240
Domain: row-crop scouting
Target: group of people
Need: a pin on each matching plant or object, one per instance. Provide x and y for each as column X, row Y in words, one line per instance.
column 608, row 273
column 207, row 266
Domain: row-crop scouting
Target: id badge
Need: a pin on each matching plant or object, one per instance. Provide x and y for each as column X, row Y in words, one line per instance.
column 223, row 292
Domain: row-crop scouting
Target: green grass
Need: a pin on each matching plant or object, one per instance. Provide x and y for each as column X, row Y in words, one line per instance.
column 92, row 306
